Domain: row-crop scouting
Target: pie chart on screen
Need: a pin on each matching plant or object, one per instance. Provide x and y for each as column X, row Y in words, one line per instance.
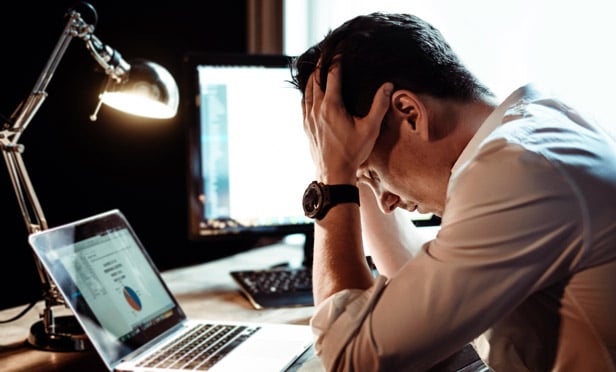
column 131, row 297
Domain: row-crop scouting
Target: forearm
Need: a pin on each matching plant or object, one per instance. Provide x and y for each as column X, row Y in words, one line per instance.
column 339, row 144
column 390, row 239
column 339, row 260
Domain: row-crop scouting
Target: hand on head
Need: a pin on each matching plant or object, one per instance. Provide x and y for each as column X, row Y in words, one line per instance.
column 340, row 142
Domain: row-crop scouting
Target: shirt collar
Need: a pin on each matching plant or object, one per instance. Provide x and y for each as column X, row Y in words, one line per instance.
column 495, row 119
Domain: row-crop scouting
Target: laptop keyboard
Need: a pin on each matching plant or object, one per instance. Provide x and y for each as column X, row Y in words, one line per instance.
column 276, row 287
column 200, row 348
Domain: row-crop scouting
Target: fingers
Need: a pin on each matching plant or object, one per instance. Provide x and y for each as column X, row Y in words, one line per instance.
column 380, row 102
column 339, row 141
column 333, row 93
column 312, row 93
column 371, row 123
column 312, row 100
column 317, row 93
column 307, row 99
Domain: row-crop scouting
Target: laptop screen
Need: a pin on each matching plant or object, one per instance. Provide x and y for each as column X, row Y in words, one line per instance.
column 101, row 268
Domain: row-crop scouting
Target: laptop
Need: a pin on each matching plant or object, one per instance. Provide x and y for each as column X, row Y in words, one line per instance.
column 131, row 317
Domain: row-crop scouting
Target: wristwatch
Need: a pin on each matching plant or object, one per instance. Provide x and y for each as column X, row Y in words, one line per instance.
column 319, row 198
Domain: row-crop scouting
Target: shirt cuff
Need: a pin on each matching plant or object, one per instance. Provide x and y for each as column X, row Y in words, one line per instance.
column 337, row 318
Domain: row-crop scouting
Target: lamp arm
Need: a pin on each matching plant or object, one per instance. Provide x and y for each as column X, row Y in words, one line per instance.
column 11, row 131
column 29, row 204
column 107, row 57
column 26, row 111
column 62, row 333
column 21, row 118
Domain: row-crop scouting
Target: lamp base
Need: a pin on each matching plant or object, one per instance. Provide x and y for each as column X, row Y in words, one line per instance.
column 68, row 336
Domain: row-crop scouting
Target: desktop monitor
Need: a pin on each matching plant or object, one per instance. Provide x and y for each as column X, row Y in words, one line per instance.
column 249, row 160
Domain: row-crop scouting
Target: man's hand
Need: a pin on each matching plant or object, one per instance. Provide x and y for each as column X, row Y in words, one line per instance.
column 340, row 142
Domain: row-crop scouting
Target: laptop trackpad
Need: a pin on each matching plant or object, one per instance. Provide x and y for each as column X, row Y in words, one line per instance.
column 265, row 349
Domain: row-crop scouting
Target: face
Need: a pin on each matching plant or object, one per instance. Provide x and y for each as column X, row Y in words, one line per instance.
column 403, row 171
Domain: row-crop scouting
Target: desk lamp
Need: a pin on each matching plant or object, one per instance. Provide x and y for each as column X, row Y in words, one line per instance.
column 140, row 88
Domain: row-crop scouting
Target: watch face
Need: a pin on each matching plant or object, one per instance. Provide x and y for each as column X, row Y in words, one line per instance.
column 313, row 199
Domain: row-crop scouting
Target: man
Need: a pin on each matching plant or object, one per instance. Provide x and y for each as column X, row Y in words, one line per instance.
column 526, row 252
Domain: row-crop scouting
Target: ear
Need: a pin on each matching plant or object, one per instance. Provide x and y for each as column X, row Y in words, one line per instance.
column 408, row 106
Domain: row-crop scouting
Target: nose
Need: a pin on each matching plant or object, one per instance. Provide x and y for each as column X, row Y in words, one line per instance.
column 388, row 202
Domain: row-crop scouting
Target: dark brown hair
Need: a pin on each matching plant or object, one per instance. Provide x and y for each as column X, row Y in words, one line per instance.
column 398, row 48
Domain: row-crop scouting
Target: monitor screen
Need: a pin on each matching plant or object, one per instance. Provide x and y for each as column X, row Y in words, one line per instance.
column 249, row 156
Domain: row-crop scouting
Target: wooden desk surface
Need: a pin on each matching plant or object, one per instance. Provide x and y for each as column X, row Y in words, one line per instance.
column 205, row 291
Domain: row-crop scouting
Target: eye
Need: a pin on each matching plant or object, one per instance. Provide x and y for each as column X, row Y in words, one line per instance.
column 372, row 175
column 369, row 175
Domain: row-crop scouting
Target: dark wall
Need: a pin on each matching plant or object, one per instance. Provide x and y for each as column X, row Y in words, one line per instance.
column 79, row 167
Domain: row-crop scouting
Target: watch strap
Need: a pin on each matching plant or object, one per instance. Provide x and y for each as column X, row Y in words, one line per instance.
column 333, row 195
column 339, row 194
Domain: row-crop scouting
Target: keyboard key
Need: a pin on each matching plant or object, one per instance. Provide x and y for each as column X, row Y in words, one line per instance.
column 279, row 287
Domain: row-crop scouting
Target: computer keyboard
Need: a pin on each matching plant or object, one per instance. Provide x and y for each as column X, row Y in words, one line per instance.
column 276, row 287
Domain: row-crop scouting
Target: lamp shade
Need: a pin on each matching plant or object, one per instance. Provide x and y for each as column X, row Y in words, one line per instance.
column 148, row 90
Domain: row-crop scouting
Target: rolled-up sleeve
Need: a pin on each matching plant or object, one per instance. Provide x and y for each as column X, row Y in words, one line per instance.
column 339, row 317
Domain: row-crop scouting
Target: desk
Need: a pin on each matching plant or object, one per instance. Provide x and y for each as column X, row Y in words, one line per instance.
column 205, row 291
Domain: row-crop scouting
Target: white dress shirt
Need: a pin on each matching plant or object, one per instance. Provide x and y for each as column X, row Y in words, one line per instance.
column 525, row 257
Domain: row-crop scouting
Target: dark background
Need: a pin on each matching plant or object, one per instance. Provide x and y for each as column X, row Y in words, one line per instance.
column 80, row 168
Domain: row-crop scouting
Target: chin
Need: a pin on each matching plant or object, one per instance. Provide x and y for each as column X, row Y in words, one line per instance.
column 437, row 212
column 425, row 210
